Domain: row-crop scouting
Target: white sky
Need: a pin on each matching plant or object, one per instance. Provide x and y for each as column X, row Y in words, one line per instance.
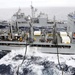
column 36, row 3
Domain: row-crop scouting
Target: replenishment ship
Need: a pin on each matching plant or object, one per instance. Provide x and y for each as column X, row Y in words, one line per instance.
column 38, row 32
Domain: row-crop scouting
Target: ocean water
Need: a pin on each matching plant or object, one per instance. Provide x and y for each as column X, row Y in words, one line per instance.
column 60, row 12
column 36, row 63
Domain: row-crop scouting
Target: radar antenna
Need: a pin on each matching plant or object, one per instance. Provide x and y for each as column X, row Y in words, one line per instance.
column 33, row 10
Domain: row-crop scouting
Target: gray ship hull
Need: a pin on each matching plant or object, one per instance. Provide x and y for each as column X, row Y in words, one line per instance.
column 6, row 45
column 11, row 47
column 41, row 47
column 60, row 50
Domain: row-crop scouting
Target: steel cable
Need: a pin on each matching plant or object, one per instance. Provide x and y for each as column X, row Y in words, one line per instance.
column 58, row 56
column 22, row 61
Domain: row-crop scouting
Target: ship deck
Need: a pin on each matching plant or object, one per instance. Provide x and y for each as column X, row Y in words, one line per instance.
column 45, row 47
column 48, row 47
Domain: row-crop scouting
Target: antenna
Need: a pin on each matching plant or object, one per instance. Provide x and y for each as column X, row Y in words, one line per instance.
column 54, row 33
column 18, row 12
column 32, row 10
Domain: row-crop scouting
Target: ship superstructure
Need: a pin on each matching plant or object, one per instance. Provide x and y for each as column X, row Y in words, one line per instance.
column 36, row 31
column 71, row 26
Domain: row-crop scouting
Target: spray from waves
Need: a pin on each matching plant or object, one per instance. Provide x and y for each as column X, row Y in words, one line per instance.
column 36, row 63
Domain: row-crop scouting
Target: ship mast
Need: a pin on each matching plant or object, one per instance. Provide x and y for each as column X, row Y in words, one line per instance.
column 17, row 16
column 32, row 10
column 54, row 32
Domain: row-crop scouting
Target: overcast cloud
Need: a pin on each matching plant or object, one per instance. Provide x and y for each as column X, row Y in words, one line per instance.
column 36, row 3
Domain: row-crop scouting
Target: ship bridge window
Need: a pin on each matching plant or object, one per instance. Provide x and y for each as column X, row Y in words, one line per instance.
column 19, row 22
column 50, row 22
column 73, row 35
column 35, row 20
column 62, row 29
column 22, row 22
